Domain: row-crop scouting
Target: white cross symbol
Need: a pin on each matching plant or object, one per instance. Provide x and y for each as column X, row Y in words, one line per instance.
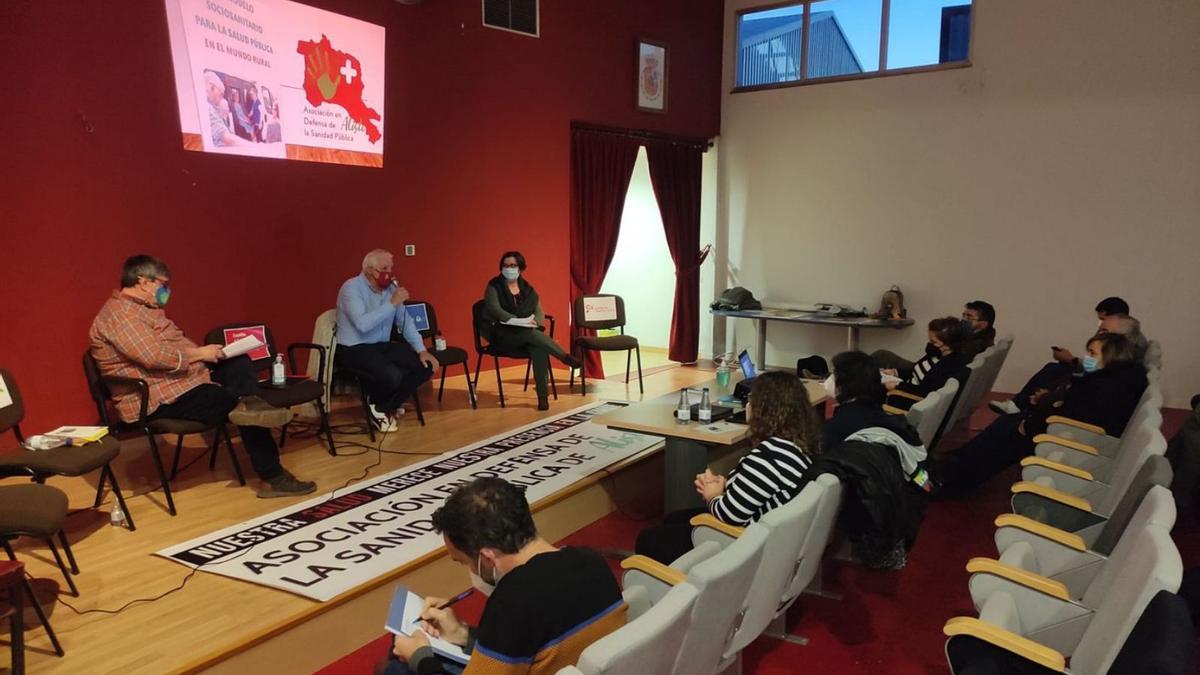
column 348, row 71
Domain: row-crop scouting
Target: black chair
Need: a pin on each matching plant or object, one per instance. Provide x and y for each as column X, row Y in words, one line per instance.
column 450, row 356
column 611, row 343
column 482, row 328
column 33, row 510
column 13, row 579
column 65, row 461
column 297, row 389
column 102, row 388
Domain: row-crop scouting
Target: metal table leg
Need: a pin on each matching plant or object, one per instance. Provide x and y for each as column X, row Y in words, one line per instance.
column 852, row 338
column 761, row 347
column 683, row 459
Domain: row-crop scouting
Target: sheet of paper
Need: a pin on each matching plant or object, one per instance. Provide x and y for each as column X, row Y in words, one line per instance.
column 5, row 397
column 244, row 345
column 404, row 616
column 232, row 335
column 527, row 322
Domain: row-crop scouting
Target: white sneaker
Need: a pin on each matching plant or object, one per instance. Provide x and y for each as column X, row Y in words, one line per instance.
column 382, row 422
column 1004, row 407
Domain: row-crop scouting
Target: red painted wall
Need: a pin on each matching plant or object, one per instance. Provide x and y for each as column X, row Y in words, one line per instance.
column 476, row 162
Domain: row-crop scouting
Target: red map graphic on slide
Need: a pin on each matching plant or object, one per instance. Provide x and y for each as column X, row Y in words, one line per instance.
column 331, row 76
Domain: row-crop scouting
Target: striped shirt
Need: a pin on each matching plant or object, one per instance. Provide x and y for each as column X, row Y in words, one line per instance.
column 130, row 338
column 921, row 368
column 766, row 478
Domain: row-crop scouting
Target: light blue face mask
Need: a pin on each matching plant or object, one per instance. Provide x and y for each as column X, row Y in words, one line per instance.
column 511, row 273
column 1090, row 364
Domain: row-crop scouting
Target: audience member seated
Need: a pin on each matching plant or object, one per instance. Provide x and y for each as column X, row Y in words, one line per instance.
column 858, row 389
column 132, row 337
column 1108, row 314
column 879, row 458
column 513, row 304
column 1104, row 395
column 368, row 306
column 545, row 605
column 942, row 360
column 785, row 431
column 979, row 329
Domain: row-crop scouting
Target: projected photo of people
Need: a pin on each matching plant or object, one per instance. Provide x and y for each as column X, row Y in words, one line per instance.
column 240, row 111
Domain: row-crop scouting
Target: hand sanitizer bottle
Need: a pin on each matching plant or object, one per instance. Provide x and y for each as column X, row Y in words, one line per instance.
column 278, row 374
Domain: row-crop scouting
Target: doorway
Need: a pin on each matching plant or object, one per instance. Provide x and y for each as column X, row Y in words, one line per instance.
column 643, row 273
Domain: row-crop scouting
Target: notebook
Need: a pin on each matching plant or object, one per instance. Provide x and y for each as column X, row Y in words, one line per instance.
column 404, row 617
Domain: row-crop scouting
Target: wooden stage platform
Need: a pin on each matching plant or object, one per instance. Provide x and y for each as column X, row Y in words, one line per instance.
column 217, row 624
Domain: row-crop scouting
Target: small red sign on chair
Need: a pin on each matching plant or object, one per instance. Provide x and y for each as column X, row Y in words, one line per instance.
column 234, row 334
column 600, row 309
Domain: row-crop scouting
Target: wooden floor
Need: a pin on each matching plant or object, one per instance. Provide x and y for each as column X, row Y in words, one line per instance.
column 212, row 613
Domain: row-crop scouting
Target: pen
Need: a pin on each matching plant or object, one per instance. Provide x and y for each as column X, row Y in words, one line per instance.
column 456, row 599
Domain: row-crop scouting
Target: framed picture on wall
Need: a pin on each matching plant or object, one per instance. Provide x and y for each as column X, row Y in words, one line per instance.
column 652, row 76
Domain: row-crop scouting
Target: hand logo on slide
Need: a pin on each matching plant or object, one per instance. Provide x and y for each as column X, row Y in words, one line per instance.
column 317, row 65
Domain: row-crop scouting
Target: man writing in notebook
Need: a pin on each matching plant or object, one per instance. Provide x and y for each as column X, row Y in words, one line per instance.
column 132, row 337
column 545, row 604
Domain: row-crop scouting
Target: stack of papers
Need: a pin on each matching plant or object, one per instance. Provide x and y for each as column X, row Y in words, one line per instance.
column 242, row 346
column 404, row 618
column 78, row 435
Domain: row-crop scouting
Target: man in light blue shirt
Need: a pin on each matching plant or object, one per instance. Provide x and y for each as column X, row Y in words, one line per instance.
column 368, row 305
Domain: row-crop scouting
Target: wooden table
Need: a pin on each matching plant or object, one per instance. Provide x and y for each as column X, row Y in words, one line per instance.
column 687, row 445
column 852, row 324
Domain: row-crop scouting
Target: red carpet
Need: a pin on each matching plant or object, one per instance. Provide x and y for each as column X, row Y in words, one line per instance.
column 883, row 622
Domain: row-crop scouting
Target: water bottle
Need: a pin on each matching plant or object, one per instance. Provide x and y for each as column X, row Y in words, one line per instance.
column 278, row 374
column 704, row 414
column 683, row 412
column 439, row 343
column 116, row 517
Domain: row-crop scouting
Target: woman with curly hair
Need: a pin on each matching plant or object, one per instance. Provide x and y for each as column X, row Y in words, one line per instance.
column 785, row 431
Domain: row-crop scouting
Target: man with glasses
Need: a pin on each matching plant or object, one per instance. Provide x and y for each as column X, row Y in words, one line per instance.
column 978, row 326
column 368, row 306
column 132, row 337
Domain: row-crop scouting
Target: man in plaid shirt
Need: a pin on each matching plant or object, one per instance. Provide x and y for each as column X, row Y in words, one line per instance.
column 132, row 337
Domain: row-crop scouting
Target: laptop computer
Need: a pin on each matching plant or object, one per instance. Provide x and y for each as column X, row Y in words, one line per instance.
column 741, row 391
column 747, row 364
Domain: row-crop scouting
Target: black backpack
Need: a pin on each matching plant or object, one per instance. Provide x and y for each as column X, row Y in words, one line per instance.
column 736, row 299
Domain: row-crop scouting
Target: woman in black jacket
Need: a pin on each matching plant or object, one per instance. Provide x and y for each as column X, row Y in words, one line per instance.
column 513, row 304
column 859, row 391
column 1105, row 395
column 941, row 362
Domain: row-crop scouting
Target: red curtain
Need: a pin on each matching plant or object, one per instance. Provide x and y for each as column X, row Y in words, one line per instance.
column 601, row 166
column 675, row 171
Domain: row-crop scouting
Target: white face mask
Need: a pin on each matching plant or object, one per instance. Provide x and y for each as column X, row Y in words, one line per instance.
column 831, row 387
column 477, row 578
column 481, row 585
column 511, row 273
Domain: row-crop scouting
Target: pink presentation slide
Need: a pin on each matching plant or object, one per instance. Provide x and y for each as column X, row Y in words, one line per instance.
column 273, row 78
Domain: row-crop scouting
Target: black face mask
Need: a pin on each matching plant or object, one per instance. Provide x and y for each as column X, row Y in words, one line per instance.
column 931, row 350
